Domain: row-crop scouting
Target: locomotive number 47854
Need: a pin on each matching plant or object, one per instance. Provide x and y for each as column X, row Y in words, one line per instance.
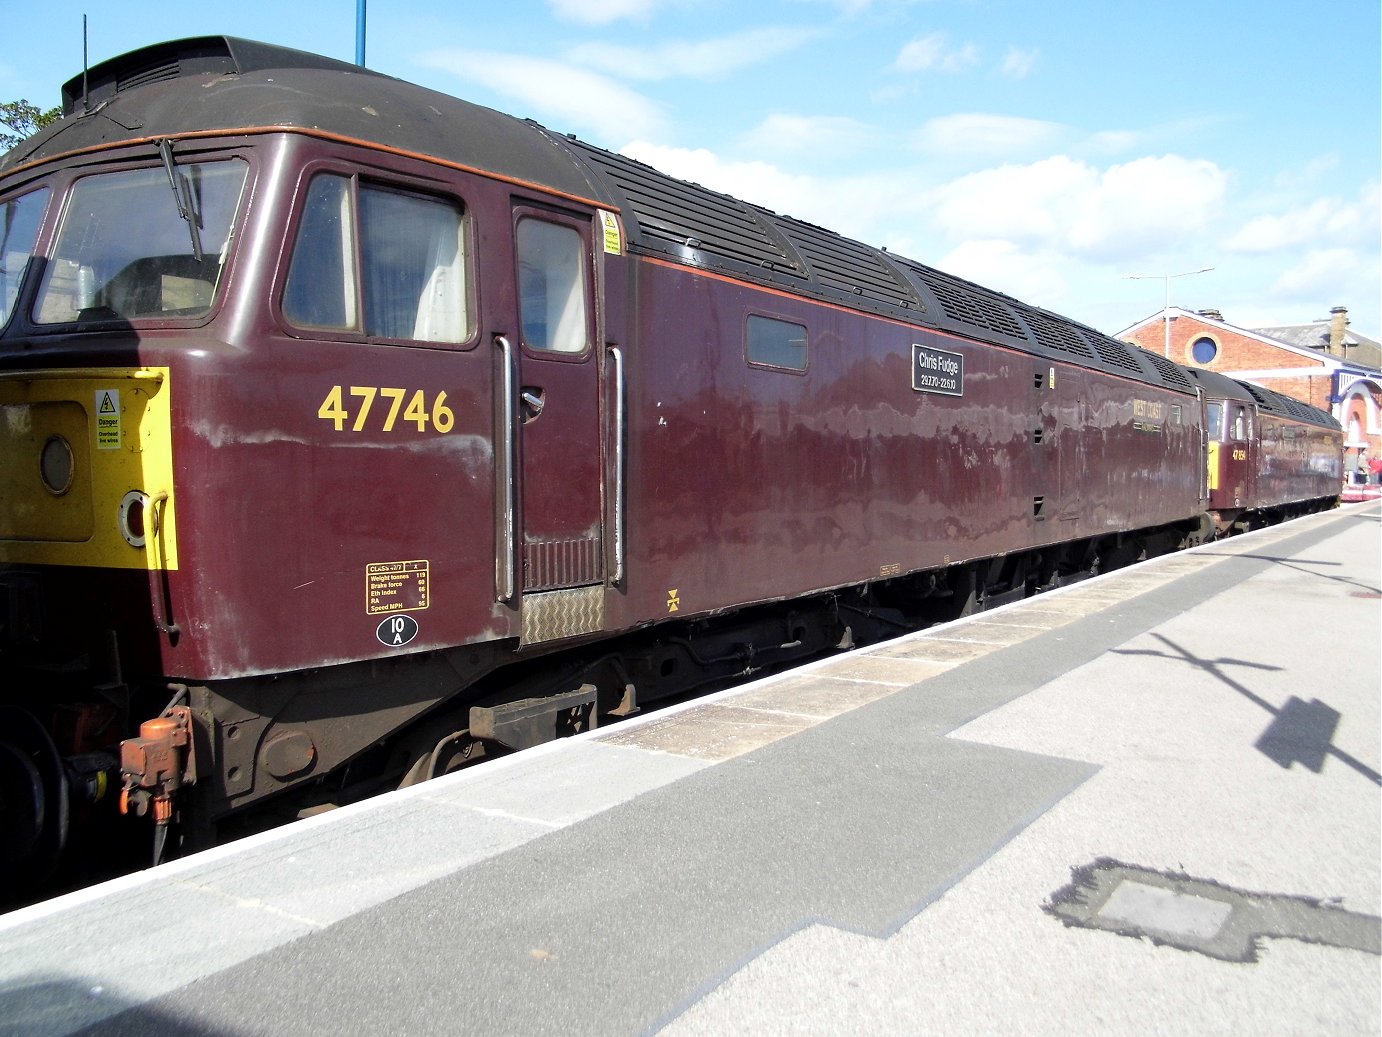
column 334, row 409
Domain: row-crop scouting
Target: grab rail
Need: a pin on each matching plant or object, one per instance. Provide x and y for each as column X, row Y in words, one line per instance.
column 505, row 474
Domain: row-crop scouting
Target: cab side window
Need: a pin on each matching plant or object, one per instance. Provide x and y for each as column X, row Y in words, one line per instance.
column 378, row 261
column 19, row 221
column 413, row 264
column 552, row 286
column 1242, row 426
column 321, row 291
column 1214, row 420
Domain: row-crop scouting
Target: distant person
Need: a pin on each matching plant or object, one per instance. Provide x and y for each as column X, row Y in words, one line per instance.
column 1375, row 470
column 1360, row 473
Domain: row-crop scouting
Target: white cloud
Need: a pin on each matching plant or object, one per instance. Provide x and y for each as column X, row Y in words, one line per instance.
column 1109, row 141
column 1019, row 63
column 1073, row 207
column 850, row 8
column 980, row 133
column 1308, row 174
column 811, row 133
column 602, row 12
column 575, row 98
column 1029, row 203
column 707, row 59
column 933, row 52
column 1325, row 276
column 1323, row 222
column 1150, row 202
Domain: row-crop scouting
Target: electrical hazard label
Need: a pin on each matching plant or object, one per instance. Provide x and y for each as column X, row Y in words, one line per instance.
column 614, row 242
column 396, row 587
column 107, row 419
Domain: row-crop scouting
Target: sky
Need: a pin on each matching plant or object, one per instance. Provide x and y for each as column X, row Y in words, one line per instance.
column 1070, row 153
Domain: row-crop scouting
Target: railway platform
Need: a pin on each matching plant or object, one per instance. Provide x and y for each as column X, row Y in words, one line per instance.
column 1147, row 803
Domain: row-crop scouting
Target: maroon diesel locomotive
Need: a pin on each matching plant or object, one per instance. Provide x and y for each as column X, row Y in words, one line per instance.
column 348, row 429
column 1269, row 457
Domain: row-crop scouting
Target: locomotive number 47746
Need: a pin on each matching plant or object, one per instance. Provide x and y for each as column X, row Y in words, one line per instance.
column 334, row 409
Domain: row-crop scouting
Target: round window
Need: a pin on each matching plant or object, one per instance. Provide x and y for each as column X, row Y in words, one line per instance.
column 1204, row 350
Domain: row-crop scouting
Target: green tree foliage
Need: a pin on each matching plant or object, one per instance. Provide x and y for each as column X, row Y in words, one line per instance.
column 22, row 118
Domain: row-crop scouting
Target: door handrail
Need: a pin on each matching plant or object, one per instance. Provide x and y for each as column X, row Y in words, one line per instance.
column 620, row 462
column 505, row 470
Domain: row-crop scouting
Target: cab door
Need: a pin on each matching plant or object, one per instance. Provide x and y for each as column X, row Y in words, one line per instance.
column 1240, row 465
column 555, row 408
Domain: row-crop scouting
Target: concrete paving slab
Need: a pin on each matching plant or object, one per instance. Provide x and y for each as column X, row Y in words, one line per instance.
column 821, row 695
column 714, row 732
column 934, row 649
column 878, row 669
column 562, row 788
column 995, row 632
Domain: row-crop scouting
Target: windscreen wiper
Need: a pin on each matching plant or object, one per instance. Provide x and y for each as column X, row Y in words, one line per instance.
column 182, row 193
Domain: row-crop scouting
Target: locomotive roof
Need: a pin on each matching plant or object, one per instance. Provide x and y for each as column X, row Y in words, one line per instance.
column 691, row 224
column 1221, row 386
column 243, row 84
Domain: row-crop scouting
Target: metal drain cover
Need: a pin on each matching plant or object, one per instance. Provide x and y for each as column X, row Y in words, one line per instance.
column 1163, row 910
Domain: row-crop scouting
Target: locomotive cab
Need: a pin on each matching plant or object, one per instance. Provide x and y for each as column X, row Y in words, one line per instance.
column 280, row 413
column 111, row 272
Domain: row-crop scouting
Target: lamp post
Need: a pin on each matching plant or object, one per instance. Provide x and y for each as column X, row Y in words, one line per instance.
column 1166, row 310
column 360, row 33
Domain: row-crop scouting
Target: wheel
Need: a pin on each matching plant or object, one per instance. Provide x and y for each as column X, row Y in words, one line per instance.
column 34, row 804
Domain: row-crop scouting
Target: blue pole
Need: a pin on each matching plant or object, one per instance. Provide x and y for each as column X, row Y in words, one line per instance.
column 360, row 33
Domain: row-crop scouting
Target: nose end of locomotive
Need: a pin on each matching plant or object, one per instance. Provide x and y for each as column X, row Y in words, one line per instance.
column 86, row 469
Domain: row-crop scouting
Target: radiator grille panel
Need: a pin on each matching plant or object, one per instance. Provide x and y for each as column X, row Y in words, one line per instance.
column 561, row 563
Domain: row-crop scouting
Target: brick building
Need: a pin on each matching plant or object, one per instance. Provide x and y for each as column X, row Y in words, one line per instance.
column 1322, row 363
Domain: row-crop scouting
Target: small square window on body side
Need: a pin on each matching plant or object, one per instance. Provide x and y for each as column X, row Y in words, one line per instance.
column 776, row 343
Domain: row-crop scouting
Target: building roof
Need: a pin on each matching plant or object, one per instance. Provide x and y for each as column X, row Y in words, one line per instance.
column 1358, row 349
column 1357, row 357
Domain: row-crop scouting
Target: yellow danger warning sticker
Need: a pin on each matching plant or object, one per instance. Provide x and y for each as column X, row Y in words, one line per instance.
column 107, row 419
column 614, row 241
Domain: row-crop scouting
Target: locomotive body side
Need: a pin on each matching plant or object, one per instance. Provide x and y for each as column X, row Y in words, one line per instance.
column 1300, row 455
column 754, row 481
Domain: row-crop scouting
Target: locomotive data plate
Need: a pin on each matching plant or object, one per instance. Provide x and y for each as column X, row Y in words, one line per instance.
column 937, row 371
column 396, row 587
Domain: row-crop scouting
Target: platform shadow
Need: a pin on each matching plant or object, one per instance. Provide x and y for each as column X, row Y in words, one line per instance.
column 57, row 1006
column 1309, row 567
column 1300, row 732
